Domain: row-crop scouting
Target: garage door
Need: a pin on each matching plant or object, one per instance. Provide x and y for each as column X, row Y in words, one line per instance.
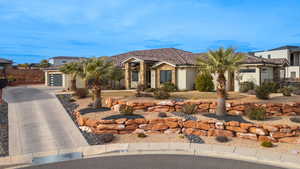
column 55, row 80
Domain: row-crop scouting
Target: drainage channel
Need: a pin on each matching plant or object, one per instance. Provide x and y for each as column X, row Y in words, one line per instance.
column 57, row 158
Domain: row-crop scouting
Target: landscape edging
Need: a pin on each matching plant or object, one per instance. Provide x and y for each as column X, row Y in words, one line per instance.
column 210, row 150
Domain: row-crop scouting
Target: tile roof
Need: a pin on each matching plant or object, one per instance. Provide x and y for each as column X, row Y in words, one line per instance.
column 257, row 60
column 171, row 55
column 5, row 61
column 285, row 47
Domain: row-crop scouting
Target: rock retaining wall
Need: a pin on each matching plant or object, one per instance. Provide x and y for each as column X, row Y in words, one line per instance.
column 233, row 108
column 257, row 132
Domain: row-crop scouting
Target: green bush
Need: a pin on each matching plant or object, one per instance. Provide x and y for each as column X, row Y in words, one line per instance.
column 272, row 86
column 262, row 92
column 141, row 135
column 169, row 87
column 204, row 82
column 256, row 113
column 286, row 91
column 126, row 110
column 82, row 92
column 246, row 86
column 267, row 144
column 161, row 94
column 189, row 108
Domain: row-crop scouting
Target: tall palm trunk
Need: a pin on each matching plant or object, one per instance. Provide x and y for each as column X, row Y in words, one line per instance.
column 97, row 97
column 73, row 83
column 221, row 92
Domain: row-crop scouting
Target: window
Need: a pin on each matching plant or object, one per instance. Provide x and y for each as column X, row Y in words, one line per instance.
column 135, row 76
column 293, row 75
column 269, row 56
column 247, row 70
column 165, row 76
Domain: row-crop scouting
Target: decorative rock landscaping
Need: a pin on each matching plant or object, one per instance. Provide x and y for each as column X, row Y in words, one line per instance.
column 257, row 132
column 233, row 108
column 91, row 138
column 3, row 129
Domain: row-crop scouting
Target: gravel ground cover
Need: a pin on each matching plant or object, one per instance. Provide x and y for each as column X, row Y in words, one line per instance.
column 92, row 139
column 3, row 129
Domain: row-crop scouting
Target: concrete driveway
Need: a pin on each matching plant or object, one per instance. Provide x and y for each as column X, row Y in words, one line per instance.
column 38, row 122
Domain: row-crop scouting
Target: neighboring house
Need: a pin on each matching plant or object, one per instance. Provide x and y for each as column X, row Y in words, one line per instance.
column 157, row 66
column 4, row 64
column 291, row 53
column 61, row 60
column 53, row 76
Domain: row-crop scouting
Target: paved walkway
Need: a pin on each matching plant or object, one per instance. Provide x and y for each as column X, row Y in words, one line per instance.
column 38, row 122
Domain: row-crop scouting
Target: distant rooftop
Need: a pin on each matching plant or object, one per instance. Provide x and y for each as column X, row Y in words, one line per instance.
column 285, row 47
column 5, row 61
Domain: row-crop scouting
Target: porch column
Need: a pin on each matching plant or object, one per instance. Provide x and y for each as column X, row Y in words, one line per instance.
column 127, row 75
column 142, row 73
column 46, row 78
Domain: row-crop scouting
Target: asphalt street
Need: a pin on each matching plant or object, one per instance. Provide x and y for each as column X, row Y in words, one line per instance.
column 154, row 162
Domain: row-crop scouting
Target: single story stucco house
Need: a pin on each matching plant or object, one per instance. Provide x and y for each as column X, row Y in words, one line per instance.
column 154, row 67
column 157, row 66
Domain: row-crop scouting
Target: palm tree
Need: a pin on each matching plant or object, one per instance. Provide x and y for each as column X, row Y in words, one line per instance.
column 219, row 62
column 74, row 69
column 97, row 72
column 44, row 64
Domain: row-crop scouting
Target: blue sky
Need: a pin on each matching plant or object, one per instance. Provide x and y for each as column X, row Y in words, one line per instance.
column 32, row 30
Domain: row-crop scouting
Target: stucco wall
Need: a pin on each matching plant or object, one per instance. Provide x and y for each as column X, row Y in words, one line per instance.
column 182, row 78
column 274, row 54
column 191, row 78
column 165, row 67
column 267, row 74
column 290, row 69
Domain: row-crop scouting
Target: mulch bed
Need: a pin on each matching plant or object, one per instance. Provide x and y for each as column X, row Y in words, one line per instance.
column 4, row 130
column 70, row 106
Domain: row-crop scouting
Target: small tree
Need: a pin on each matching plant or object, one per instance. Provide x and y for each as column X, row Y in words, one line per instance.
column 219, row 62
column 44, row 64
column 117, row 75
column 204, row 82
column 97, row 72
column 74, row 69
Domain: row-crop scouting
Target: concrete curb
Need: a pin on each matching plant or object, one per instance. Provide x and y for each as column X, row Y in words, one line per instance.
column 211, row 150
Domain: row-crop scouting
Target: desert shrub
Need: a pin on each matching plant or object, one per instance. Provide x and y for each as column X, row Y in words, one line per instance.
column 262, row 92
column 256, row 113
column 150, row 90
column 169, row 87
column 141, row 135
column 82, row 92
column 222, row 139
column 162, row 114
column 267, row 144
column 161, row 94
column 181, row 136
column 139, row 89
column 295, row 119
column 246, row 86
column 126, row 110
column 272, row 86
column 286, row 91
column 189, row 108
column 204, row 82
column 296, row 92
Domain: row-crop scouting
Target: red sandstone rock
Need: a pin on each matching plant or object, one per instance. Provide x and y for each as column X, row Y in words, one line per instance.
column 111, row 126
column 278, row 135
column 216, row 132
column 190, row 124
column 204, row 106
column 292, row 140
column 235, row 112
column 152, row 121
column 236, row 129
column 246, row 125
column 105, row 131
column 130, row 121
column 233, row 123
column 249, row 136
column 270, row 128
column 121, row 121
column 170, row 131
column 203, row 126
column 159, row 127
column 140, row 121
column 171, row 124
column 219, row 125
column 259, row 131
column 91, row 123
column 106, row 121
column 200, row 132
column 267, row 138
column 131, row 127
